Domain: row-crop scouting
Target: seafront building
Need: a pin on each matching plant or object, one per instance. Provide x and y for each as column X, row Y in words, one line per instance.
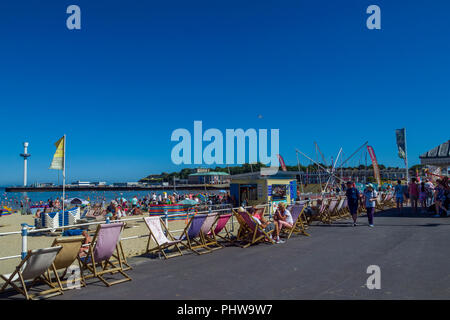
column 207, row 177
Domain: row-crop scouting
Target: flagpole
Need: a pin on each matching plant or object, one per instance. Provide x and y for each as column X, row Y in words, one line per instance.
column 406, row 161
column 298, row 166
column 64, row 174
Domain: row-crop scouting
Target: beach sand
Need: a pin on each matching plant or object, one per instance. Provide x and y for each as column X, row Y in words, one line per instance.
column 11, row 244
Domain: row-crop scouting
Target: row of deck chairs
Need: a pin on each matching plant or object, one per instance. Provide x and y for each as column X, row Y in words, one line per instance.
column 204, row 233
column 201, row 235
column 207, row 232
column 336, row 208
column 53, row 266
column 50, row 266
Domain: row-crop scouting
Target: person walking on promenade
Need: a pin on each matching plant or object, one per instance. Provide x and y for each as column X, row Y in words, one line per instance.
column 352, row 201
column 399, row 195
column 423, row 197
column 439, row 195
column 429, row 187
column 413, row 191
column 370, row 198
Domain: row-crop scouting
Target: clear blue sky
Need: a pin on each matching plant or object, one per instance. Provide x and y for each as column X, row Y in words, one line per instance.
column 140, row 69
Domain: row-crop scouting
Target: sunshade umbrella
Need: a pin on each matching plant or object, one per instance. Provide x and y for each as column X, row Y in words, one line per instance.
column 77, row 201
column 188, row 202
column 201, row 197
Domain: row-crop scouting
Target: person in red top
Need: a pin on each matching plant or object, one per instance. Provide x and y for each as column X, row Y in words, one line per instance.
column 413, row 190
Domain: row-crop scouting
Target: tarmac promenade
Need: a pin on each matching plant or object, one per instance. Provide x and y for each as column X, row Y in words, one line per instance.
column 412, row 251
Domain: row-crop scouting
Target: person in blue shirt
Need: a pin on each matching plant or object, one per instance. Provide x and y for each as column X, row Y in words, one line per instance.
column 352, row 200
column 399, row 192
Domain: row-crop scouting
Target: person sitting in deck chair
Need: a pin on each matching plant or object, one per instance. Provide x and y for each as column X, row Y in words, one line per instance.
column 282, row 218
column 266, row 225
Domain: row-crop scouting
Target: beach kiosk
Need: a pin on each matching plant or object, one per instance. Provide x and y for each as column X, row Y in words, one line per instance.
column 253, row 189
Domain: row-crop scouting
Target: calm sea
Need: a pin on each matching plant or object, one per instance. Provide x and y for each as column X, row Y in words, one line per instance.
column 13, row 198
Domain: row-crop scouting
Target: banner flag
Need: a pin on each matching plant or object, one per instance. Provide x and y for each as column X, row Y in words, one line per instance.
column 283, row 166
column 376, row 169
column 401, row 145
column 58, row 157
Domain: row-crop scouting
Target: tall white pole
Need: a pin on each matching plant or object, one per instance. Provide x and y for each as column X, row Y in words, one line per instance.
column 406, row 161
column 25, row 169
column 298, row 166
column 64, row 174
column 25, row 156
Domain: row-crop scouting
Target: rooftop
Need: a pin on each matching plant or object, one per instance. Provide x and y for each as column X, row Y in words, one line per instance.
column 437, row 155
column 209, row 174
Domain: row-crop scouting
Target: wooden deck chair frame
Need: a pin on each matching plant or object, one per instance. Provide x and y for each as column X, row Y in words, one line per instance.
column 209, row 239
column 339, row 206
column 161, row 248
column 256, row 234
column 61, row 242
column 298, row 226
column 324, row 215
column 54, row 289
column 332, row 212
column 345, row 213
column 121, row 252
column 228, row 237
column 193, row 244
column 244, row 230
column 89, row 263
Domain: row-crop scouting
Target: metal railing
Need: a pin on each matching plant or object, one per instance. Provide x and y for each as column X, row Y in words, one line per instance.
column 27, row 230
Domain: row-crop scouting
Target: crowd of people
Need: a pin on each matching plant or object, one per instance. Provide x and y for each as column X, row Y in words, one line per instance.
column 424, row 194
column 121, row 207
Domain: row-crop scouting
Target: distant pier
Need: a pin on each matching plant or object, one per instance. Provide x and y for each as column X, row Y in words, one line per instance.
column 209, row 187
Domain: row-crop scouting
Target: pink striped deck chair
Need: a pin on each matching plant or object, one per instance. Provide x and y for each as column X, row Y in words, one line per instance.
column 221, row 231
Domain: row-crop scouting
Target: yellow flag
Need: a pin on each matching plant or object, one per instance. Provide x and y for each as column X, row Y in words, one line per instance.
column 58, row 157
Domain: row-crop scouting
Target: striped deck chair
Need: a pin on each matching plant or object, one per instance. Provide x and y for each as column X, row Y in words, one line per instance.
column 101, row 250
column 339, row 208
column 33, row 268
column 389, row 201
column 244, row 230
column 260, row 210
column 379, row 201
column 221, row 227
column 163, row 242
column 324, row 215
column 332, row 209
column 70, row 248
column 256, row 234
column 208, row 228
column 191, row 238
column 345, row 212
column 299, row 218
